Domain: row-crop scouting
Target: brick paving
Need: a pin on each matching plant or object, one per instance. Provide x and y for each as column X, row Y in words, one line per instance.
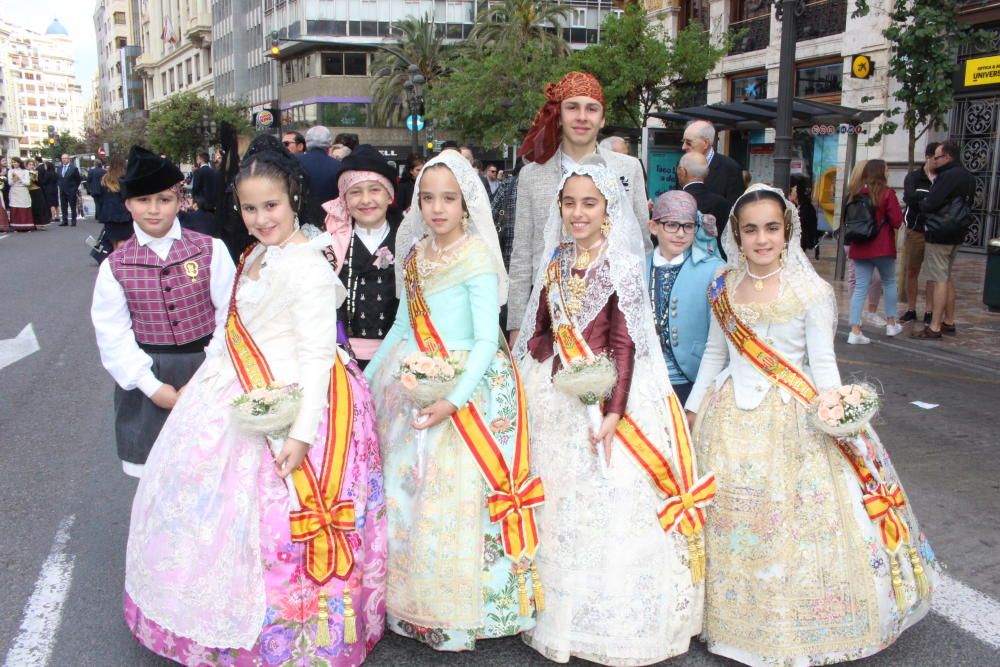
column 978, row 330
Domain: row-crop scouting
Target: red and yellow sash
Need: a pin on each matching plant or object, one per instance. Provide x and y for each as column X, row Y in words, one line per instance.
column 763, row 357
column 324, row 518
column 514, row 493
column 883, row 502
column 686, row 494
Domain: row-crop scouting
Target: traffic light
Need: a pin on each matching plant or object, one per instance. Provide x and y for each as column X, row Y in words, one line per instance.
column 275, row 46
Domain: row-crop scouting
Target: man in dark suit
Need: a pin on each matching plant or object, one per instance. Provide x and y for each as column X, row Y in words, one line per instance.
column 203, row 181
column 692, row 170
column 69, row 184
column 94, row 187
column 321, row 171
column 725, row 176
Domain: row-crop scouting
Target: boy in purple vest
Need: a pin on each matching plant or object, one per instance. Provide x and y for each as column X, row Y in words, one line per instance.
column 157, row 301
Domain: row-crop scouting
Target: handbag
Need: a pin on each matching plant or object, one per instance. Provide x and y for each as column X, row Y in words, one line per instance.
column 950, row 223
column 860, row 224
column 100, row 247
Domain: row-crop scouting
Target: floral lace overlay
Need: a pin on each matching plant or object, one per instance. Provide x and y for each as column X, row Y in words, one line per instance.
column 470, row 259
column 599, row 289
column 797, row 570
column 785, row 308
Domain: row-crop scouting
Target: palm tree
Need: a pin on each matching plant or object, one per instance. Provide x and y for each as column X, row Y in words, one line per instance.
column 420, row 43
column 513, row 23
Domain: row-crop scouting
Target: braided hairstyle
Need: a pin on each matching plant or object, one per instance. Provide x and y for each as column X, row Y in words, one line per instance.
column 268, row 158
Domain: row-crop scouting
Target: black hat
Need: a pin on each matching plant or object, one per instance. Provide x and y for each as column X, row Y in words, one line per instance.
column 147, row 173
column 366, row 158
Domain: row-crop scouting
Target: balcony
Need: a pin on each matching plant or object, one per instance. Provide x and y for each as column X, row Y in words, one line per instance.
column 756, row 34
column 820, row 19
column 199, row 31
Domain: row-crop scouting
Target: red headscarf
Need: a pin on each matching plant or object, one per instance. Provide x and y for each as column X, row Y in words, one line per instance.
column 543, row 137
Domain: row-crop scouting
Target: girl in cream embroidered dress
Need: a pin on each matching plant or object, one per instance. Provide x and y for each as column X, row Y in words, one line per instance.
column 212, row 576
column 618, row 589
column 797, row 572
column 449, row 581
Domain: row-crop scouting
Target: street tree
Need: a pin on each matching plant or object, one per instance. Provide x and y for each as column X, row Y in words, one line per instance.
column 509, row 24
column 175, row 126
column 491, row 93
column 120, row 135
column 421, row 42
column 923, row 34
column 637, row 64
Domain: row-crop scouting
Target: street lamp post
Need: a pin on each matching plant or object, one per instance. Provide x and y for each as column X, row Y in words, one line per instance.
column 414, row 102
column 785, row 11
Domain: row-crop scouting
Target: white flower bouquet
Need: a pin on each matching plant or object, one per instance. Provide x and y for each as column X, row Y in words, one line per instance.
column 846, row 411
column 427, row 378
column 269, row 411
column 591, row 380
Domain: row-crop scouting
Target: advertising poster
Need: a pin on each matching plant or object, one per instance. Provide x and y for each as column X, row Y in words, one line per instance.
column 824, row 176
column 661, row 175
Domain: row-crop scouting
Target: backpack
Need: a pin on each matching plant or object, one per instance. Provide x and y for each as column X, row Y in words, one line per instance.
column 951, row 223
column 860, row 224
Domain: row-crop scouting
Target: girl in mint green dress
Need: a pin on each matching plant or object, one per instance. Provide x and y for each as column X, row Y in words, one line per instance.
column 450, row 579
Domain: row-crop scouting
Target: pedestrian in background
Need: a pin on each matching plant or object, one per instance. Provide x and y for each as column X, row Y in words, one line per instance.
column 19, row 179
column 916, row 186
column 947, row 211
column 93, row 185
column 50, row 187
column 321, row 172
column 411, row 170
column 39, row 211
column 801, row 196
column 725, row 176
column 877, row 252
column 116, row 218
column 69, row 187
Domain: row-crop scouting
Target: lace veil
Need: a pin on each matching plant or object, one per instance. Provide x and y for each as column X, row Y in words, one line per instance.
column 625, row 275
column 798, row 275
column 476, row 201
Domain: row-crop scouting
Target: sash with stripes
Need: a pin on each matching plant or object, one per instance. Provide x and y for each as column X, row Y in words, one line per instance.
column 761, row 356
column 883, row 502
column 686, row 493
column 513, row 492
column 325, row 517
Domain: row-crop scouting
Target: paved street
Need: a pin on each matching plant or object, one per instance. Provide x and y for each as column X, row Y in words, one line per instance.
column 66, row 503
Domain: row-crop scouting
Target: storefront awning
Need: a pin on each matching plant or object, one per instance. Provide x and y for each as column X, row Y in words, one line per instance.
column 762, row 114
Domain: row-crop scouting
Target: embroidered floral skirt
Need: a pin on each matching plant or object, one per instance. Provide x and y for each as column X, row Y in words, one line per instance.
column 618, row 589
column 170, row 500
column 449, row 582
column 797, row 572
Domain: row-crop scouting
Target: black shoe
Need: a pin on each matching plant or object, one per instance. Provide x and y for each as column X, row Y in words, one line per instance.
column 948, row 329
column 927, row 318
column 908, row 316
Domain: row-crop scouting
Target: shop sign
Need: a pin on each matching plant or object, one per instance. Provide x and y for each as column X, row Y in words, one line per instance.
column 982, row 71
column 843, row 128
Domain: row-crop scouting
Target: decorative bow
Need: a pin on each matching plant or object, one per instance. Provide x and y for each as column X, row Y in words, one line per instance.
column 684, row 512
column 324, row 532
column 883, row 506
column 517, row 523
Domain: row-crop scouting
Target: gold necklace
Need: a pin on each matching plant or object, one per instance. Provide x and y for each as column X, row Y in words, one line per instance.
column 583, row 254
column 758, row 281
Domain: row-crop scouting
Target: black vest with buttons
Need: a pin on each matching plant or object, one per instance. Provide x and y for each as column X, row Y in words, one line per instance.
column 371, row 303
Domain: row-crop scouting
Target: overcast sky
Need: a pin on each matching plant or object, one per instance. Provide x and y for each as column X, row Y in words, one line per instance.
column 78, row 18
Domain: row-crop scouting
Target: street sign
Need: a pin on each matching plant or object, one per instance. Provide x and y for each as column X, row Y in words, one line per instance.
column 101, row 153
column 862, row 67
column 414, row 123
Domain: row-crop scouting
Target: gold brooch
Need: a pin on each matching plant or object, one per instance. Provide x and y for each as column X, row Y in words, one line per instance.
column 191, row 270
column 576, row 288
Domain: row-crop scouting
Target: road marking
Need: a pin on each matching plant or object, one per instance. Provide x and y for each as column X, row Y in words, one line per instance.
column 43, row 613
column 976, row 613
column 19, row 347
column 4, row 236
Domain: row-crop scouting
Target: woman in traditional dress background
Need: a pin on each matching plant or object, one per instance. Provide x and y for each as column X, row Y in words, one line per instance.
column 798, row 572
column 19, row 180
column 214, row 574
column 453, row 575
column 618, row 586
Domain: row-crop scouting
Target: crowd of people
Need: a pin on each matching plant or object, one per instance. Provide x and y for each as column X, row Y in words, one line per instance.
column 608, row 433
column 34, row 192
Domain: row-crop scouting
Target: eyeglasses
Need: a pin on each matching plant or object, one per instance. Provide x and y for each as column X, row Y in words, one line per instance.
column 674, row 227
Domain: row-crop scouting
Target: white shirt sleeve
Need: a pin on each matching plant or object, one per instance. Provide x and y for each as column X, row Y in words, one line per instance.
column 223, row 273
column 121, row 355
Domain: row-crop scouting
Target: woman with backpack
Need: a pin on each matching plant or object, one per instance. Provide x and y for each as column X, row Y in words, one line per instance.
column 871, row 218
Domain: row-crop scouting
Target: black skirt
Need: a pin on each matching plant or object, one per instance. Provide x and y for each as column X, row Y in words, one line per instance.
column 137, row 419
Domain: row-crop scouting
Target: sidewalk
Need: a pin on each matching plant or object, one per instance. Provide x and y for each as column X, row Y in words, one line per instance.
column 978, row 337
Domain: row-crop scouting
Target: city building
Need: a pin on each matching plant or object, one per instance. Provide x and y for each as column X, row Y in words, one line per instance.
column 175, row 49
column 40, row 81
column 119, row 88
column 10, row 119
column 326, row 52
